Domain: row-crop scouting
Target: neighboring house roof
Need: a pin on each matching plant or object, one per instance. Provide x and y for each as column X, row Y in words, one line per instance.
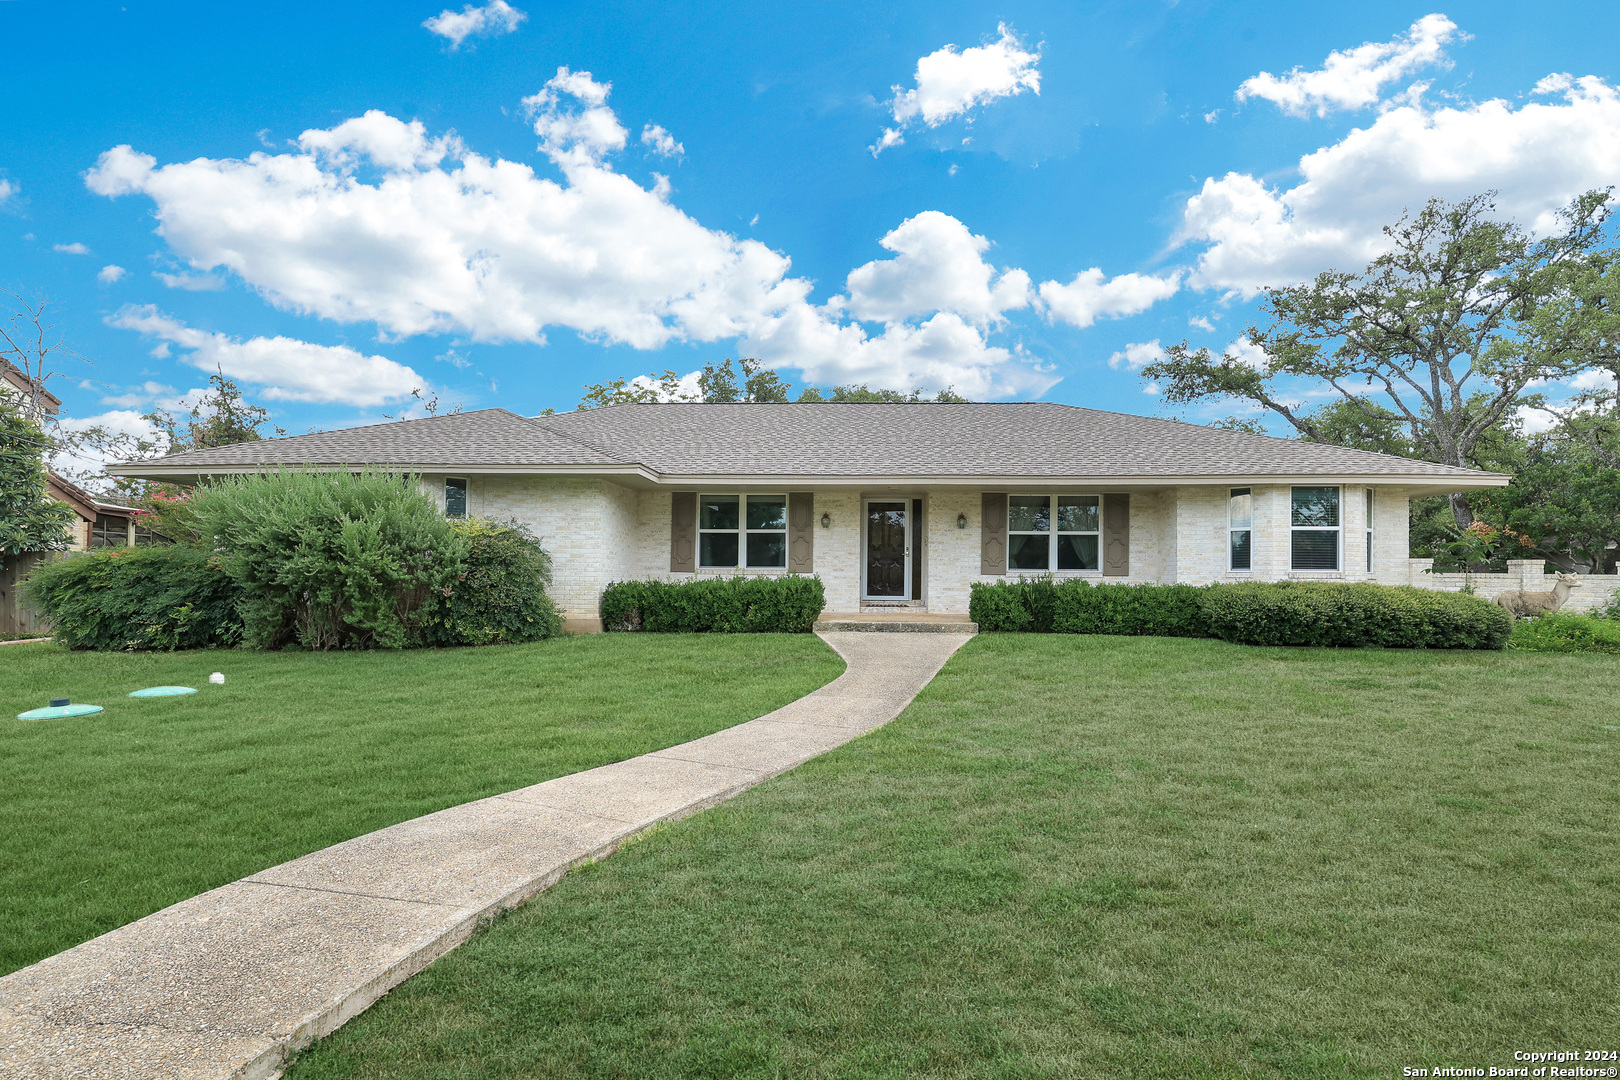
column 688, row 443
column 14, row 376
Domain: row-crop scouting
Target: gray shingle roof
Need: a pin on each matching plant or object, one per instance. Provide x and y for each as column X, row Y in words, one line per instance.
column 486, row 437
column 1007, row 439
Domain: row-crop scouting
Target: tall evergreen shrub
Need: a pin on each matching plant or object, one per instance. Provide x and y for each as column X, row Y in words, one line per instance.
column 331, row 560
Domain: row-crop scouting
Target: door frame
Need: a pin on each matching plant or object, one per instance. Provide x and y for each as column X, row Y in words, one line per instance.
column 866, row 520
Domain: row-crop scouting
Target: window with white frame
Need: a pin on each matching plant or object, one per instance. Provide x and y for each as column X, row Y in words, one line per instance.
column 1315, row 525
column 1369, row 530
column 1039, row 539
column 1240, row 529
column 742, row 531
column 455, row 497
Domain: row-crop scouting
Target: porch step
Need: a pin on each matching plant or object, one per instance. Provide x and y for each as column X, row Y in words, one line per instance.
column 895, row 622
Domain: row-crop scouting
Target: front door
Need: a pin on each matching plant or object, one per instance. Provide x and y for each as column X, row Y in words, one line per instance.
column 888, row 550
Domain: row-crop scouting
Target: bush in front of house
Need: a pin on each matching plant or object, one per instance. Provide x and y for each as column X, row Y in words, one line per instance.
column 1567, row 633
column 1044, row 605
column 730, row 605
column 1262, row 613
column 125, row 598
column 1359, row 615
column 331, row 560
column 500, row 597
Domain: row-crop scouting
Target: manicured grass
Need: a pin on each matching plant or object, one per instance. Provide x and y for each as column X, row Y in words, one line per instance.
column 106, row 818
column 1090, row 857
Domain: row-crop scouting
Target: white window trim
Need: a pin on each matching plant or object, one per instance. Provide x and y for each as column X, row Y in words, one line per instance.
column 1337, row 530
column 1232, row 530
column 742, row 530
column 466, row 497
column 1371, row 506
column 1053, row 534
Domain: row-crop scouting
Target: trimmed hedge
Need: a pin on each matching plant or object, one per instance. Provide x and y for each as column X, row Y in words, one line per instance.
column 159, row 597
column 500, row 597
column 1264, row 613
column 734, row 605
column 1567, row 633
column 1353, row 616
column 1044, row 605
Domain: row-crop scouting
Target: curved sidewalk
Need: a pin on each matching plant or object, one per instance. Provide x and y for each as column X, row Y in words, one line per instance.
column 224, row 984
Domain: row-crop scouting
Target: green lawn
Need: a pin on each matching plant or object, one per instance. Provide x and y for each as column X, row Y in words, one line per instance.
column 104, row 819
column 1090, row 857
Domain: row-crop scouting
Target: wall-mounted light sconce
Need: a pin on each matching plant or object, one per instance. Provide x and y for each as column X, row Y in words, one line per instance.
column 961, row 521
column 826, row 521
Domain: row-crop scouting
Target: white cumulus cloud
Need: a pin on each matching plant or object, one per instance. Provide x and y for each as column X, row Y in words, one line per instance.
column 110, row 273
column 950, row 83
column 376, row 221
column 72, row 249
column 191, row 282
column 1538, row 156
column 660, row 141
column 1137, row 355
column 289, row 369
column 1092, row 295
column 495, row 17
column 7, row 190
column 939, row 267
column 1356, row 77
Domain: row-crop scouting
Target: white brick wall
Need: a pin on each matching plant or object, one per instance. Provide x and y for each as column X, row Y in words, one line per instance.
column 598, row 531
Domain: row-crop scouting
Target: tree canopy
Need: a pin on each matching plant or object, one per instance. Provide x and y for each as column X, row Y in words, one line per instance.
column 754, row 382
column 1435, row 343
column 30, row 520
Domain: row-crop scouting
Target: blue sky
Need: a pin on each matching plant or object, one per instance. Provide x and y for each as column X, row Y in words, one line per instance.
column 1071, row 184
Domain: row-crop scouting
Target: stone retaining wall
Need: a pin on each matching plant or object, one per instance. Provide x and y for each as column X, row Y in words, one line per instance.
column 1594, row 590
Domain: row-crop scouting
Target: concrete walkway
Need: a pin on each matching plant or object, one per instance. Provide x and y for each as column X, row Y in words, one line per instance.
column 224, row 984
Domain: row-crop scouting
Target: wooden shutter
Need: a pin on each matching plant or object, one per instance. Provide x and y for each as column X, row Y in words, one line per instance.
column 993, row 534
column 801, row 532
column 1116, row 535
column 683, row 532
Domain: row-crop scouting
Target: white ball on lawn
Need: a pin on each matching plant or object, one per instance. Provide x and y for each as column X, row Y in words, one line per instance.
column 217, row 677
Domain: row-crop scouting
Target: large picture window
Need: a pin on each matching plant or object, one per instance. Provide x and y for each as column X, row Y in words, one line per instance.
column 1240, row 529
column 1315, row 523
column 742, row 530
column 1039, row 539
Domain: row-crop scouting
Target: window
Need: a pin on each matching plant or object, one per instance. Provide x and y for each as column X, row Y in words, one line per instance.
column 1369, row 530
column 455, row 498
column 1240, row 529
column 109, row 531
column 1038, row 541
column 742, row 530
column 1315, row 528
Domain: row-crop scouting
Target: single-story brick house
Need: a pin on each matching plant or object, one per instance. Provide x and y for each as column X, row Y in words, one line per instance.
column 891, row 504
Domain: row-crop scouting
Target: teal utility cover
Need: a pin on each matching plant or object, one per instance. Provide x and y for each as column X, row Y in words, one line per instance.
column 56, row 712
column 162, row 691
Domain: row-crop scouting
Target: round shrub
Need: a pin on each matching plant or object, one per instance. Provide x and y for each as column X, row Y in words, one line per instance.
column 158, row 597
column 500, row 597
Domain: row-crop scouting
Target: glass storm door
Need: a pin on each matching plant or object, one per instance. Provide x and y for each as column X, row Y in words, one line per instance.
column 888, row 551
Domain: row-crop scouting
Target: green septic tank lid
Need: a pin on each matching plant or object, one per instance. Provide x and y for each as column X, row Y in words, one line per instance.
column 162, row 691
column 56, row 712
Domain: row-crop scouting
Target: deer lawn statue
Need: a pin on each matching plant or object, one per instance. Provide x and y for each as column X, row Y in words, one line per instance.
column 1528, row 605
